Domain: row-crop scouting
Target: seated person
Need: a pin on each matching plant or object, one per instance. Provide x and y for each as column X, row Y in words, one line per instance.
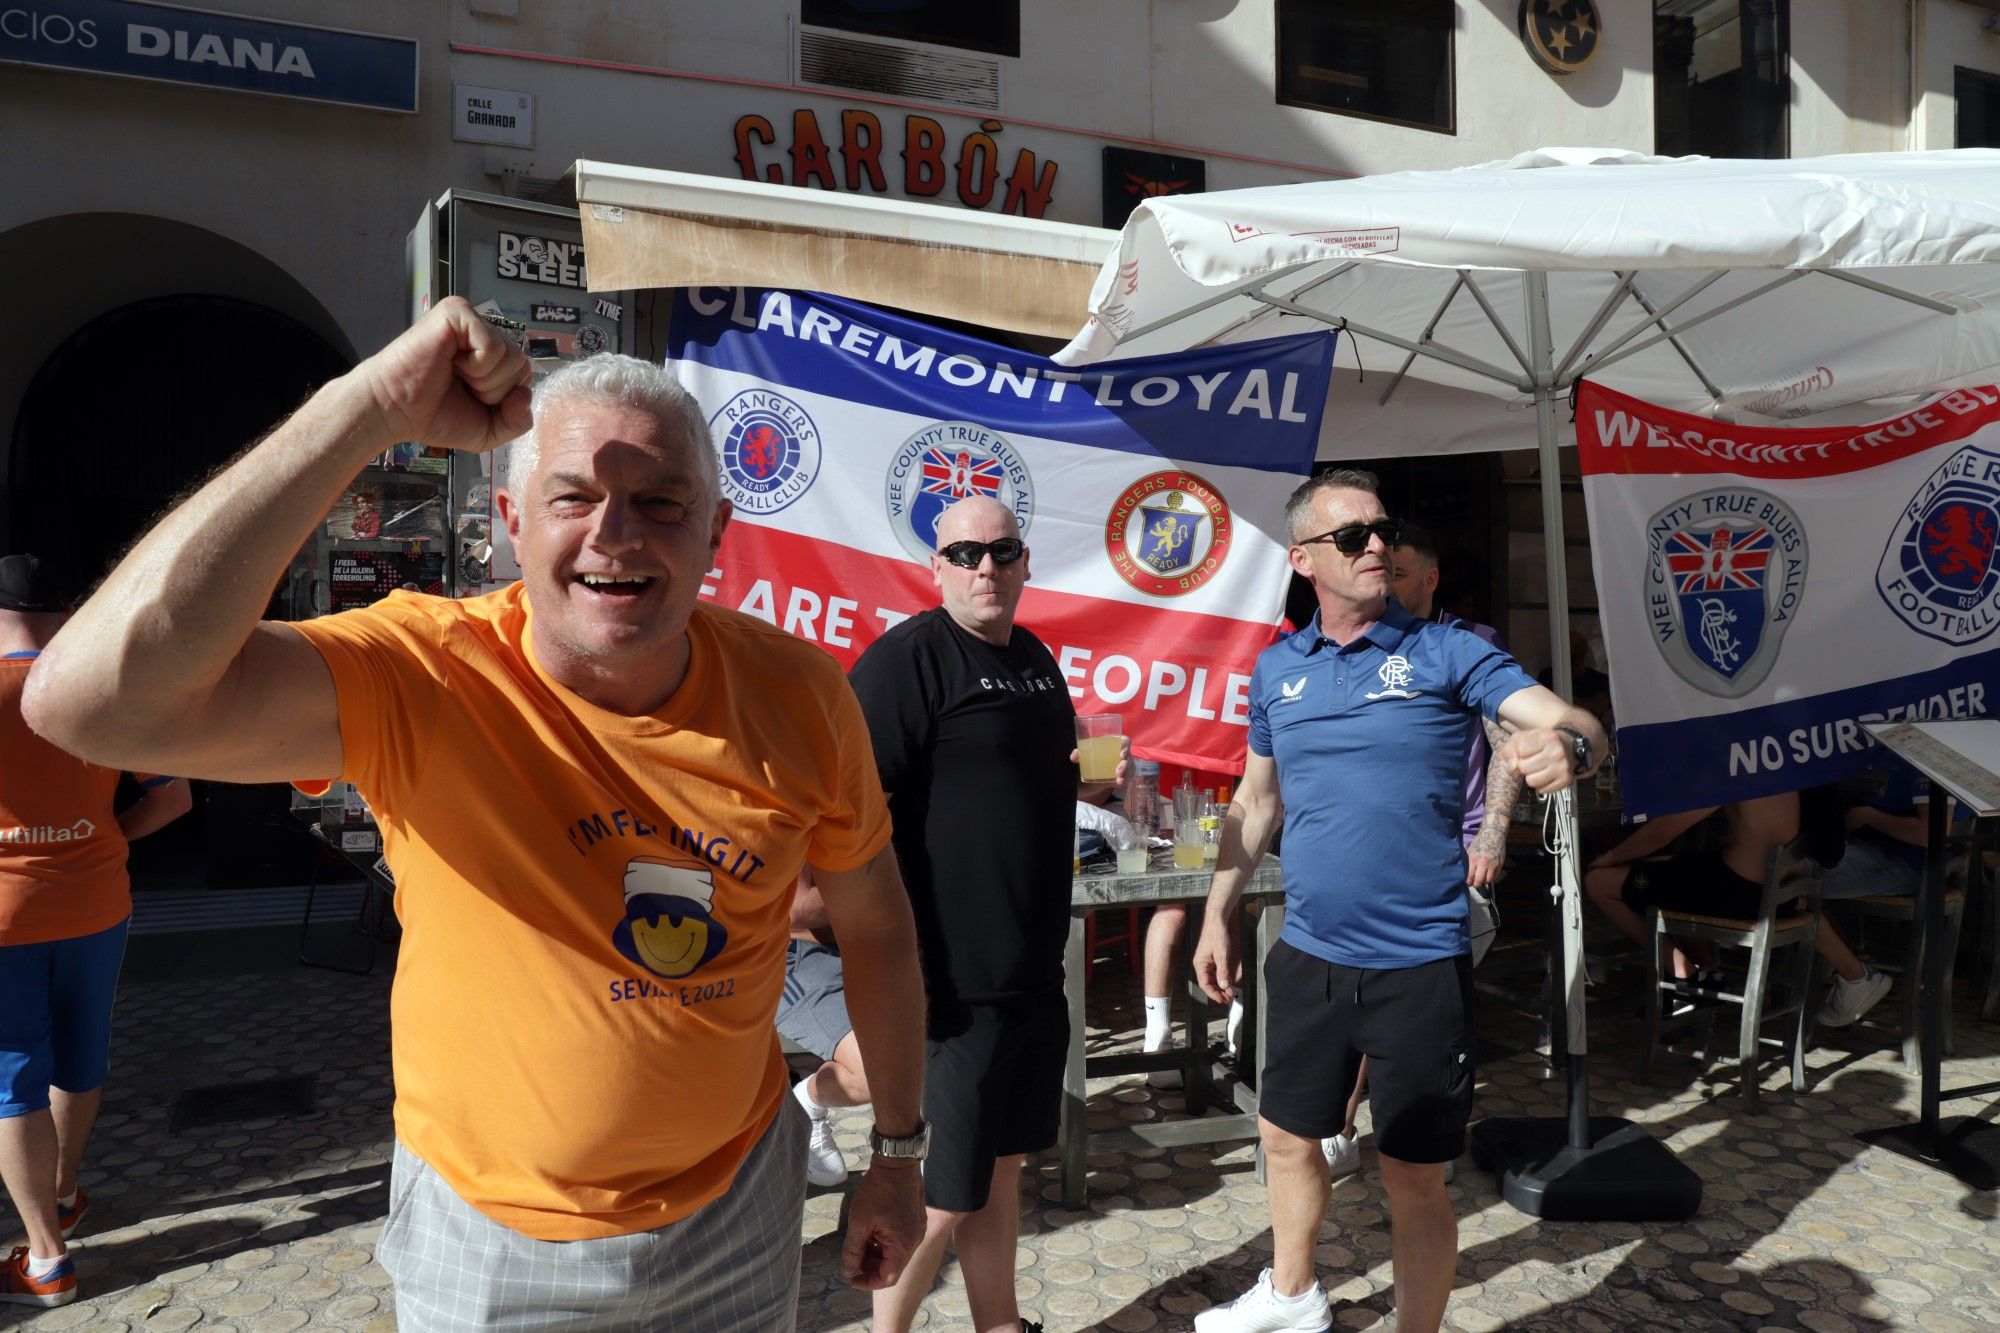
column 1886, row 838
column 1728, row 882
column 812, row 1011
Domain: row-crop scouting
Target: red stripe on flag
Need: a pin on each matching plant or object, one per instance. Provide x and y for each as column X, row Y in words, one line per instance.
column 1617, row 434
column 1195, row 667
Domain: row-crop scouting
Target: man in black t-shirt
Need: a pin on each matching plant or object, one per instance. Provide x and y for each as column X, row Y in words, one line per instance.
column 975, row 738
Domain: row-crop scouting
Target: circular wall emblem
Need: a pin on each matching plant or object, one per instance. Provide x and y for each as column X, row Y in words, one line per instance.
column 768, row 449
column 590, row 340
column 944, row 463
column 1168, row 533
column 1562, row 35
column 1725, row 573
column 1939, row 572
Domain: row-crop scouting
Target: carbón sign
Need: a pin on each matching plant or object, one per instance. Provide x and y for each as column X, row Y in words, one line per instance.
column 852, row 160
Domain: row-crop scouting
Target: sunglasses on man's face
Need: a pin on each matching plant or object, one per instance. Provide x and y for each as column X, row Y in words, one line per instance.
column 967, row 555
column 1353, row 539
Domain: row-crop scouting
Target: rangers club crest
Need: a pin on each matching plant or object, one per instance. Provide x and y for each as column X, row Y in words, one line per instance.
column 1938, row 572
column 768, row 449
column 1725, row 574
column 947, row 462
column 1168, row 533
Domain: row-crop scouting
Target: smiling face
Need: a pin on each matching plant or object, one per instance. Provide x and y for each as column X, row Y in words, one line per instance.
column 614, row 529
column 1347, row 585
column 981, row 601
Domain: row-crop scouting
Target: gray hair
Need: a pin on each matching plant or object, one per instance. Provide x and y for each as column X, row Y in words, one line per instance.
column 1298, row 508
column 623, row 381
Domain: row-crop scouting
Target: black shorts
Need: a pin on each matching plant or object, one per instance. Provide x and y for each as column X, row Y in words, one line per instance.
column 993, row 1087
column 1698, row 883
column 1413, row 1023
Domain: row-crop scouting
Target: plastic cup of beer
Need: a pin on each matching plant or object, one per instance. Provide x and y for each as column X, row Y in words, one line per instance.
column 1188, row 842
column 1100, row 740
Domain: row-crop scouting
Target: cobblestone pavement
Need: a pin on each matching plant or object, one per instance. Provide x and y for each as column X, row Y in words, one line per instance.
column 269, row 1225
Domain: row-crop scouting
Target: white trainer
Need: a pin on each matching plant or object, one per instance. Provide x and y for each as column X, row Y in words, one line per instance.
column 1849, row 1000
column 1262, row 1310
column 825, row 1167
column 1343, row 1154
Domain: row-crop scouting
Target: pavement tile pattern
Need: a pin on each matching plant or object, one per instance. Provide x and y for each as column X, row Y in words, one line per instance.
column 266, row 1226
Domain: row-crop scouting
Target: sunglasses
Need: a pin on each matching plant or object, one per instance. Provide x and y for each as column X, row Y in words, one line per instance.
column 1353, row 539
column 967, row 555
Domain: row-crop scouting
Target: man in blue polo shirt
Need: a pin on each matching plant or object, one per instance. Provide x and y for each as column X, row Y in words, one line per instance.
column 1358, row 732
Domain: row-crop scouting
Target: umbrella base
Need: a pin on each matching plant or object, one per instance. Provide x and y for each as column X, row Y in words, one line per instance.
column 1625, row 1175
column 1965, row 1146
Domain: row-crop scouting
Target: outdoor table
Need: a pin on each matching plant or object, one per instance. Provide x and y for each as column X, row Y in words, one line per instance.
column 1160, row 884
column 374, row 921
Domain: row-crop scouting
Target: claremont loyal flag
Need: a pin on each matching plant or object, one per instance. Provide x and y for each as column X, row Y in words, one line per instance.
column 1765, row 591
column 1150, row 493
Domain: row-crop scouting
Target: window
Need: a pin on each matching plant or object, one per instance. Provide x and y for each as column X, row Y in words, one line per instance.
column 1383, row 61
column 984, row 25
column 1721, row 77
column 1978, row 108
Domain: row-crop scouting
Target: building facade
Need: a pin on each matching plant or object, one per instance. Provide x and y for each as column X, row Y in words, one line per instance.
column 208, row 209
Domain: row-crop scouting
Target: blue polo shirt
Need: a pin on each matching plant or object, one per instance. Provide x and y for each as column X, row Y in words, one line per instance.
column 1370, row 744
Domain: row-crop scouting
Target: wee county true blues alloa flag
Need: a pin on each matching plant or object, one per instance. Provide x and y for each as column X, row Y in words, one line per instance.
column 1764, row 591
column 1150, row 492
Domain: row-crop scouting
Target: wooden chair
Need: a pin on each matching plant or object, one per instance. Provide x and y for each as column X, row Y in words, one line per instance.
column 1963, row 869
column 1776, row 927
column 1128, row 938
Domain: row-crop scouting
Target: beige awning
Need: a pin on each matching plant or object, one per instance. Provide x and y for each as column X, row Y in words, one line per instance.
column 650, row 228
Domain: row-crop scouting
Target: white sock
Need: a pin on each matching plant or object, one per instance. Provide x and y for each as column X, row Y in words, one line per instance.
column 1158, row 1020
column 1234, row 1029
column 41, row 1268
column 68, row 1200
column 802, row 1090
column 1312, row 1290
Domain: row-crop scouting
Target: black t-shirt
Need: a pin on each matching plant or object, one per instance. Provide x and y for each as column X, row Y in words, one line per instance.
column 973, row 743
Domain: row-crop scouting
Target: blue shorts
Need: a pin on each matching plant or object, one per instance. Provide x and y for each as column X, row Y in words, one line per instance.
column 55, row 1016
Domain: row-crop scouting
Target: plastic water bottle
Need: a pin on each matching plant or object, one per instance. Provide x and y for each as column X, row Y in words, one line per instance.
column 1142, row 795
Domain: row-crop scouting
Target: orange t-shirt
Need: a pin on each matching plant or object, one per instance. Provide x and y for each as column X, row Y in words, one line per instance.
column 594, row 906
column 62, row 854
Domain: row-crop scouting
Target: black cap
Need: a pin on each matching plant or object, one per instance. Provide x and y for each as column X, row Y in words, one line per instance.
column 28, row 583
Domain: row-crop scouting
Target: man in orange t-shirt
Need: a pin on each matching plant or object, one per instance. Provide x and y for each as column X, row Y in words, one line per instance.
column 64, row 902
column 595, row 793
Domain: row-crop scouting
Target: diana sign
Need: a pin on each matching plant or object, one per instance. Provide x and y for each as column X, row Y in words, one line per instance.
column 194, row 46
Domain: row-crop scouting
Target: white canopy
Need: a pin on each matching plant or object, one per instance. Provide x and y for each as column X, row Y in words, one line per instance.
column 1751, row 290
column 1745, row 289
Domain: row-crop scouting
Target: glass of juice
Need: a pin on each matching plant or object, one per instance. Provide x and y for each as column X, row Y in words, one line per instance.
column 1188, row 843
column 1131, row 853
column 1100, row 740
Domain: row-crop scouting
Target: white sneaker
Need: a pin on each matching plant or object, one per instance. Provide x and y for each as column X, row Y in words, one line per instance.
column 1849, row 1000
column 1262, row 1310
column 825, row 1167
column 1343, row 1154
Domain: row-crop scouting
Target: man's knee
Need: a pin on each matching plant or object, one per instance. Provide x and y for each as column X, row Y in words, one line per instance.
column 1415, row 1182
column 1283, row 1146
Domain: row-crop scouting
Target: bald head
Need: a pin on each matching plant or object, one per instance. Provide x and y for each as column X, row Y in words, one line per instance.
column 981, row 599
column 976, row 518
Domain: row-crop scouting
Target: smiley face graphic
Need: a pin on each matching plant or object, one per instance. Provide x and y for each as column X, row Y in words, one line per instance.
column 668, row 928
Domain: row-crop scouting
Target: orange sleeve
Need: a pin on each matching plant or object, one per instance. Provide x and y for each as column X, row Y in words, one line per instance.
column 855, row 825
column 388, row 673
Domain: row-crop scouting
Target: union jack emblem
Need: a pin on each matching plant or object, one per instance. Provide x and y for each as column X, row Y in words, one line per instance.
column 1720, row 559
column 961, row 474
